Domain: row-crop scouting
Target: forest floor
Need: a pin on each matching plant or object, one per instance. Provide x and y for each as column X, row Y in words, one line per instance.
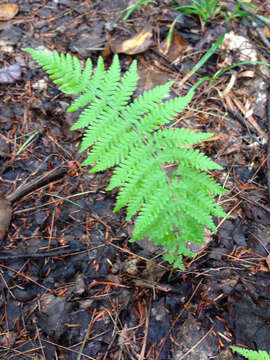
column 72, row 286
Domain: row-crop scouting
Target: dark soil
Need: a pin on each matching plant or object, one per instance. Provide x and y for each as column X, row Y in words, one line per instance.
column 72, row 286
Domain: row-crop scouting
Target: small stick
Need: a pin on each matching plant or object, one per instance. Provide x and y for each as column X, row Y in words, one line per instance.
column 268, row 145
column 24, row 189
column 37, row 183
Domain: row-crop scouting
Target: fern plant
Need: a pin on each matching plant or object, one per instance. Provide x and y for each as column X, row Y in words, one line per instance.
column 251, row 354
column 160, row 176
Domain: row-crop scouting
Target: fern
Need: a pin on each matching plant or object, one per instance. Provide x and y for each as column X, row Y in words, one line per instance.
column 160, row 176
column 251, row 354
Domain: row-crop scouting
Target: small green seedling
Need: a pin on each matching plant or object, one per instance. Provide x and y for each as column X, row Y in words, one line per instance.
column 209, row 9
column 28, row 141
column 161, row 178
column 132, row 8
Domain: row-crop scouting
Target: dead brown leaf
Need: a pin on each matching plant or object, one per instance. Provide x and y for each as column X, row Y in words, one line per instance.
column 135, row 45
column 266, row 32
column 173, row 49
column 8, row 11
column 5, row 215
column 149, row 78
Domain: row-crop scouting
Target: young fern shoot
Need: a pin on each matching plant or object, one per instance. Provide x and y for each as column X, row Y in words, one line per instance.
column 124, row 132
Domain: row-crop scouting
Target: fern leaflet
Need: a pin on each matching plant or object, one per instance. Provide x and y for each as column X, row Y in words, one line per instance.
column 251, row 354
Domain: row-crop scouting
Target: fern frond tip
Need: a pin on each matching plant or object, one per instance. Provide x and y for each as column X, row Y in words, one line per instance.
column 251, row 354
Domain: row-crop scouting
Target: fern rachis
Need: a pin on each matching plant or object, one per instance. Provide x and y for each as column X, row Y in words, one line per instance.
column 122, row 132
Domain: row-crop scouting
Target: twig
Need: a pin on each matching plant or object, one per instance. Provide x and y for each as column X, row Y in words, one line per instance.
column 252, row 201
column 236, row 116
column 142, row 353
column 251, row 12
column 263, row 38
column 89, row 329
column 6, row 255
column 198, row 343
column 37, row 183
column 268, row 145
column 25, row 277
column 21, row 191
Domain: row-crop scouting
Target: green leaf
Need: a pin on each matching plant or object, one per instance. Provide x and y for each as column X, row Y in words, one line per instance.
column 251, row 354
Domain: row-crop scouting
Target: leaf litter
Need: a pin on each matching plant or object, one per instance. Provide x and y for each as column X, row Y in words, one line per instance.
column 8, row 11
column 10, row 74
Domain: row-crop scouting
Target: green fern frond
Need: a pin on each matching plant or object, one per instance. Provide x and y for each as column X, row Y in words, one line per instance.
column 105, row 112
column 174, row 207
column 251, row 354
column 179, row 137
column 64, row 70
column 111, row 147
column 89, row 93
column 155, row 112
column 101, row 93
column 199, row 180
column 164, row 144
column 138, row 191
column 159, row 174
column 128, row 117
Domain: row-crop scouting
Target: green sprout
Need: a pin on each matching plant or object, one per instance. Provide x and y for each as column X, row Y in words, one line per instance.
column 205, row 9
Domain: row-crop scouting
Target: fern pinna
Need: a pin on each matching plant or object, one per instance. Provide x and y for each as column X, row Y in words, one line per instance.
column 251, row 354
column 159, row 174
